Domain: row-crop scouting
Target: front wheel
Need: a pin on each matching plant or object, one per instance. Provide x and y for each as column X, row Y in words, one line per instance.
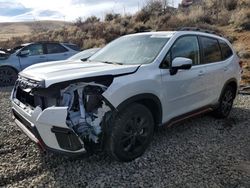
column 131, row 133
column 8, row 76
column 225, row 103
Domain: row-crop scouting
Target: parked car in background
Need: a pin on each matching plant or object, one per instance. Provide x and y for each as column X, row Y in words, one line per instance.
column 81, row 56
column 2, row 54
column 17, row 59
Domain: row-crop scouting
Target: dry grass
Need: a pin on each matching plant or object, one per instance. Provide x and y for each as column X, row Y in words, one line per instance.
column 241, row 18
column 18, row 29
column 242, row 46
column 9, row 30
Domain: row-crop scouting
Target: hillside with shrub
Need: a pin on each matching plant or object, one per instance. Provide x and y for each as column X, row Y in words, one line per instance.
column 8, row 30
column 231, row 18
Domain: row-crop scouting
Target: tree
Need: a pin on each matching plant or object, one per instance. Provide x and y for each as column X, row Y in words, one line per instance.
column 92, row 19
column 78, row 21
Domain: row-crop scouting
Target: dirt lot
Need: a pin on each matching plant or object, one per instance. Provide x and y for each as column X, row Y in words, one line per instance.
column 202, row 152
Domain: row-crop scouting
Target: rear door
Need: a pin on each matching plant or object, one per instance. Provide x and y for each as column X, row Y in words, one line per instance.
column 185, row 90
column 214, row 65
column 36, row 55
column 56, row 51
column 229, row 65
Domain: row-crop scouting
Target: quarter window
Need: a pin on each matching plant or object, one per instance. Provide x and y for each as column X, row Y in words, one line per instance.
column 225, row 50
column 55, row 48
column 211, row 50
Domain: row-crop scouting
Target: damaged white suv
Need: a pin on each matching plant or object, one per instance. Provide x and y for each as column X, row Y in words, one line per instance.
column 114, row 100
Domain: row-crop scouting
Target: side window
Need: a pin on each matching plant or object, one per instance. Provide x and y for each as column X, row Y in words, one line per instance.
column 186, row 46
column 225, row 50
column 34, row 49
column 211, row 50
column 53, row 48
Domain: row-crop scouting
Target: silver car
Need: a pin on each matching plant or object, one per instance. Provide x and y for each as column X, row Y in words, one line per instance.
column 13, row 61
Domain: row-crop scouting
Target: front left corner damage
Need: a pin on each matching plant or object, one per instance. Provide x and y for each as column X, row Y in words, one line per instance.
column 65, row 118
column 86, row 109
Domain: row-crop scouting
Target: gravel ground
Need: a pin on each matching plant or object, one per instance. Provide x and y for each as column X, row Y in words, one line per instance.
column 201, row 152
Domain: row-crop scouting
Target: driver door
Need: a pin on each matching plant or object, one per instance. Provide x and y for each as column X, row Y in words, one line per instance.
column 184, row 91
column 35, row 55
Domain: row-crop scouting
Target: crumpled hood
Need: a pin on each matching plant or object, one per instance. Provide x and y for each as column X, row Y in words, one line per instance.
column 60, row 71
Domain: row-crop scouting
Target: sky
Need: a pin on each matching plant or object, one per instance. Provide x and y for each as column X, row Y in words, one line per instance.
column 66, row 10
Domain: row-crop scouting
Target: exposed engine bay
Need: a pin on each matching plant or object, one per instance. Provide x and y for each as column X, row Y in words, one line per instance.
column 86, row 107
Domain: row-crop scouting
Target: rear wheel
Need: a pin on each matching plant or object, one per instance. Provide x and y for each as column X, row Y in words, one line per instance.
column 131, row 133
column 226, row 103
column 8, row 76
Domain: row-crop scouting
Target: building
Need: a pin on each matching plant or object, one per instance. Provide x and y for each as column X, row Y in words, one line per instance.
column 187, row 3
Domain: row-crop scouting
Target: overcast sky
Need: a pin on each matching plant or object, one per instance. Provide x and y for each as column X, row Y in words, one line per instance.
column 68, row 10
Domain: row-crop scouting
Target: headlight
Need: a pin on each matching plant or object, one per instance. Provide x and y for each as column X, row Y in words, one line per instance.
column 27, row 83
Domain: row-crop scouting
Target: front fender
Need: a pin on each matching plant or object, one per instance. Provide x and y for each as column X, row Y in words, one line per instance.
column 12, row 61
column 128, row 86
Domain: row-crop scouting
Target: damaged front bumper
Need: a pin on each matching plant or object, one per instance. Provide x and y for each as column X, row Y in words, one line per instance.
column 65, row 122
column 46, row 130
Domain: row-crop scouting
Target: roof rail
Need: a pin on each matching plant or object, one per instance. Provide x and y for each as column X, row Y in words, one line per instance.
column 199, row 30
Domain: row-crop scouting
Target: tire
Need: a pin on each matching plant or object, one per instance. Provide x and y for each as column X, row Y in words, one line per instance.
column 225, row 103
column 131, row 133
column 8, row 76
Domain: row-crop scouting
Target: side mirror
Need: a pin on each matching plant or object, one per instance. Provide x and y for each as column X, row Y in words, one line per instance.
column 180, row 63
column 24, row 53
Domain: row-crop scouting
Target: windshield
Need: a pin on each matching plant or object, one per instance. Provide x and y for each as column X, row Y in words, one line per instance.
column 84, row 54
column 132, row 49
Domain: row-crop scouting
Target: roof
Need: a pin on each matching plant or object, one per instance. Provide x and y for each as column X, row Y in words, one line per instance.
column 156, row 33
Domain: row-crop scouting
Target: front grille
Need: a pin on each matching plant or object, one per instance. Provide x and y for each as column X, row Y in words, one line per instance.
column 25, row 97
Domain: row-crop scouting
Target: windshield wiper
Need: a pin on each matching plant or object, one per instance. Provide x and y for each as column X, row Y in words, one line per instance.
column 107, row 62
column 111, row 62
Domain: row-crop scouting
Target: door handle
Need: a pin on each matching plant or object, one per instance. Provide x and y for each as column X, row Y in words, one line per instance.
column 65, row 54
column 42, row 56
column 225, row 68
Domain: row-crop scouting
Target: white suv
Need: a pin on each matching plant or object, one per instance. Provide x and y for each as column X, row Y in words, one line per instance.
column 114, row 100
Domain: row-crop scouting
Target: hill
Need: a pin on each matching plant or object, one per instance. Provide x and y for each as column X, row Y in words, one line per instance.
column 18, row 29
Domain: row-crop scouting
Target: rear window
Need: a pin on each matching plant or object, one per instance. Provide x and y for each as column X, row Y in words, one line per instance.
column 225, row 50
column 73, row 47
column 211, row 50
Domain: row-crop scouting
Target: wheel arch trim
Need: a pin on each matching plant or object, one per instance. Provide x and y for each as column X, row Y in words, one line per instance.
column 8, row 66
column 231, row 80
column 142, row 98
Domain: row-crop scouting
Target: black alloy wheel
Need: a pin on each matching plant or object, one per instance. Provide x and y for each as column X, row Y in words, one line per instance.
column 8, row 76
